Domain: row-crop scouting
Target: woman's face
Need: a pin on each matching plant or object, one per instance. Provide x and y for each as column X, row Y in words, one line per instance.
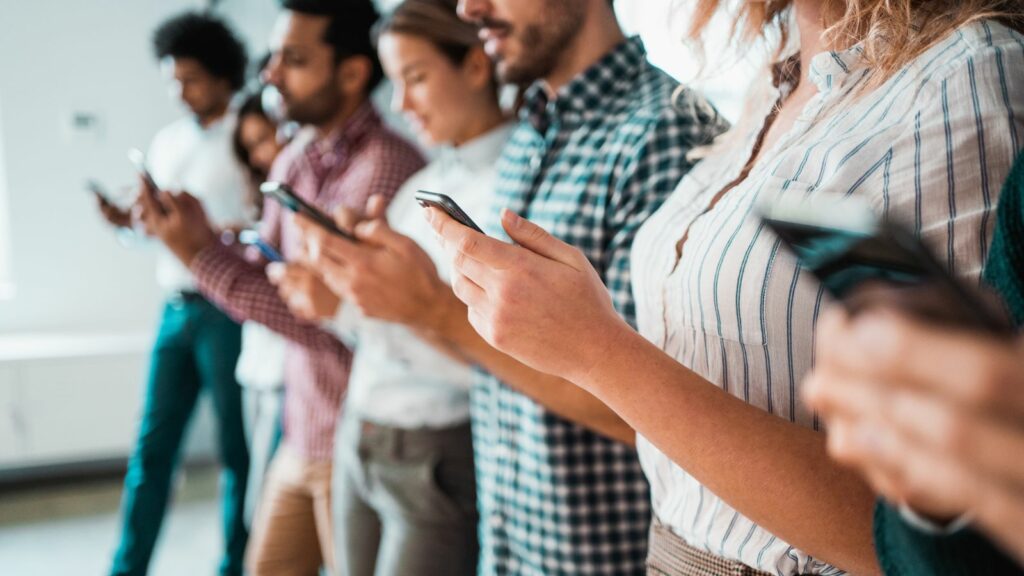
column 259, row 138
column 435, row 95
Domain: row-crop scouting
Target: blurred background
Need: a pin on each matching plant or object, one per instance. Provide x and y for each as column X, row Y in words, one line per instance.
column 78, row 87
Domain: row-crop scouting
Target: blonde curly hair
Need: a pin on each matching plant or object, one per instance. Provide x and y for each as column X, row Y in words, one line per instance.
column 892, row 32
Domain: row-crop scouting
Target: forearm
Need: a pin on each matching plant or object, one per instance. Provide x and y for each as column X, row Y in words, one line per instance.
column 556, row 394
column 244, row 293
column 772, row 471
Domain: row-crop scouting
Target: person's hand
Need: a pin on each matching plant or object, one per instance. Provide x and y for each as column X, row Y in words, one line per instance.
column 385, row 274
column 114, row 215
column 302, row 291
column 933, row 418
column 541, row 302
column 179, row 221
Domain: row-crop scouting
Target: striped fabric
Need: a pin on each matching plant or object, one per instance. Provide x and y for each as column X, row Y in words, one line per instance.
column 590, row 165
column 930, row 147
column 361, row 159
column 670, row 555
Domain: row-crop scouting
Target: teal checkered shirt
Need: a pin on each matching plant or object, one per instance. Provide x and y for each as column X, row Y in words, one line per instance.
column 589, row 164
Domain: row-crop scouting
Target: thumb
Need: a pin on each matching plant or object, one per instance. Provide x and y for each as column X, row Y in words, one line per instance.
column 376, row 207
column 536, row 239
column 378, row 233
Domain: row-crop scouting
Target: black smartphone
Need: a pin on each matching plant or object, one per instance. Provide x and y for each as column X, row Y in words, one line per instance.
column 138, row 160
column 448, row 206
column 851, row 251
column 100, row 192
column 290, row 200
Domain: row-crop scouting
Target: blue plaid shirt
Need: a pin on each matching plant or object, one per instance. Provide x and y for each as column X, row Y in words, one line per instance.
column 589, row 164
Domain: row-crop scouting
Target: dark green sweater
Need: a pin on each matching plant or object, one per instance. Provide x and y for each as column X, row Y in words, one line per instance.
column 904, row 550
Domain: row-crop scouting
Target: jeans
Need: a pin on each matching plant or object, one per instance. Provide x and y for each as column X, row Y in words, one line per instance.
column 196, row 349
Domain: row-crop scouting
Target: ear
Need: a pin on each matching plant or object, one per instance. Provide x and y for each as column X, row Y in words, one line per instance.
column 354, row 75
column 478, row 68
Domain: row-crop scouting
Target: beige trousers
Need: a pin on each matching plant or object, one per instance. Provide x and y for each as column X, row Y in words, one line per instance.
column 291, row 534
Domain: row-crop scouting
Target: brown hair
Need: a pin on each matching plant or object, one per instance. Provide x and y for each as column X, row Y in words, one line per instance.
column 892, row 32
column 434, row 20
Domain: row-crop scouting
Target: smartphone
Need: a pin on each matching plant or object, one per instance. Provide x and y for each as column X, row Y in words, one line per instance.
column 252, row 238
column 138, row 159
column 851, row 251
column 290, row 200
column 100, row 192
column 448, row 206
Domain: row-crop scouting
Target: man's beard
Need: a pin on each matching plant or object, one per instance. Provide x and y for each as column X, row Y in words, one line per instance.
column 317, row 109
column 543, row 43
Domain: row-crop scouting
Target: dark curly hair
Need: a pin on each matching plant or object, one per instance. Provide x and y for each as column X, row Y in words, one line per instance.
column 206, row 39
column 349, row 30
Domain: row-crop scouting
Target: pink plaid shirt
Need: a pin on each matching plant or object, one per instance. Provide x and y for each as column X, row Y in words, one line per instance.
column 361, row 159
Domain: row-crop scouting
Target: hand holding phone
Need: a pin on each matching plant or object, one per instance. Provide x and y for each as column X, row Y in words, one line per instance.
column 445, row 203
column 862, row 260
column 287, row 197
column 252, row 238
column 138, row 159
column 112, row 213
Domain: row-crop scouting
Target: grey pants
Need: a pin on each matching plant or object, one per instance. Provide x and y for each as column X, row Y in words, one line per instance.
column 404, row 501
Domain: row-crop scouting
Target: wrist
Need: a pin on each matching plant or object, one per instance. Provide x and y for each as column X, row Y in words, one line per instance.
column 188, row 253
column 445, row 316
column 610, row 349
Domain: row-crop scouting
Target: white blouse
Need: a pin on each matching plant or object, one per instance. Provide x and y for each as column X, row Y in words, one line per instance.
column 397, row 378
column 930, row 147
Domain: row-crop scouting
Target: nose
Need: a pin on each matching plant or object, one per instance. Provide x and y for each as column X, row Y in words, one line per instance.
column 400, row 101
column 272, row 72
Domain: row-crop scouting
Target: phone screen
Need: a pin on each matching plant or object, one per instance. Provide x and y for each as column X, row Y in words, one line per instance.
column 869, row 254
column 445, row 203
column 290, row 200
column 252, row 238
column 138, row 159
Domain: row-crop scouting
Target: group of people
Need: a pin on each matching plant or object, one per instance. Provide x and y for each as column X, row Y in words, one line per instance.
column 625, row 372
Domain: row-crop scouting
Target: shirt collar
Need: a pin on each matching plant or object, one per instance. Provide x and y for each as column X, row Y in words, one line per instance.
column 482, row 151
column 581, row 98
column 328, row 150
column 831, row 69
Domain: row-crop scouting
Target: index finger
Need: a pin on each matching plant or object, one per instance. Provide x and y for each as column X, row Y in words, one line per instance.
column 969, row 368
column 462, row 239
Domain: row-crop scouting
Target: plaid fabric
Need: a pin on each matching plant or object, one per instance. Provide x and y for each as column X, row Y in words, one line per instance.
column 360, row 159
column 670, row 555
column 589, row 164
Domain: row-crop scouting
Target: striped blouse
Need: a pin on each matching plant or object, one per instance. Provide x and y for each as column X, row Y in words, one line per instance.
column 930, row 147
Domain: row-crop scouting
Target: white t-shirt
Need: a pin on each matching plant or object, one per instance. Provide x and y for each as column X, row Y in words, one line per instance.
column 398, row 379
column 186, row 156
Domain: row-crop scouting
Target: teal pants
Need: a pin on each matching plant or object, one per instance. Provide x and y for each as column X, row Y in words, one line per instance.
column 196, row 349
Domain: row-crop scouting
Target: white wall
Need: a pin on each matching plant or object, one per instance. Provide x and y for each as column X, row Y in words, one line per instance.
column 69, row 272
column 59, row 56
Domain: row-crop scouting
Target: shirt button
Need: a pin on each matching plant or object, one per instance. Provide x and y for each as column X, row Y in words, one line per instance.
column 535, row 163
column 496, row 520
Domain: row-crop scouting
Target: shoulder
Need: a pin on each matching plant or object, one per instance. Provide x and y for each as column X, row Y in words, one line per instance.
column 384, row 145
column 978, row 53
column 658, row 107
column 290, row 154
column 171, row 134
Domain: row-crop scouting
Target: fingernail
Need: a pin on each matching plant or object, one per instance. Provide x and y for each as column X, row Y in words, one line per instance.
column 511, row 218
column 275, row 270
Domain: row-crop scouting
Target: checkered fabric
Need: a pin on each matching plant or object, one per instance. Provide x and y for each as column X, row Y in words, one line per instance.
column 589, row 164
